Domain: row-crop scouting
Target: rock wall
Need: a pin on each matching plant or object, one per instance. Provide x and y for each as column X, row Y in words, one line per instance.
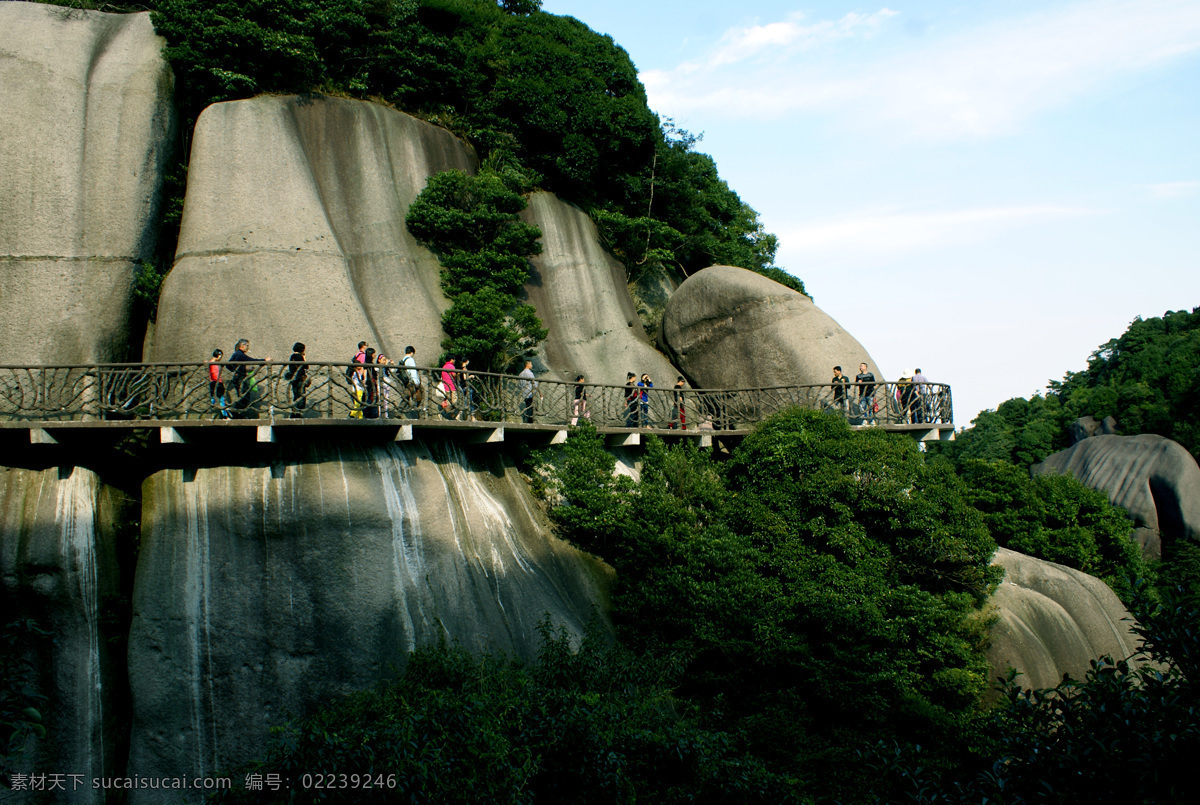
column 293, row 230
column 262, row 591
column 86, row 127
column 581, row 295
column 1053, row 620
column 59, row 566
column 728, row 327
column 1155, row 479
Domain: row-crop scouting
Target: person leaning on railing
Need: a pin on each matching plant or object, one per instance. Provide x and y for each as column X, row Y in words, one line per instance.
column 865, row 380
column 243, row 382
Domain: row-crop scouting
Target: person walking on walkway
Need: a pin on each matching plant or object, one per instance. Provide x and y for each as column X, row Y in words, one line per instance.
column 411, row 377
column 297, row 375
column 631, row 400
column 525, row 391
column 580, row 410
column 679, row 416
column 449, row 390
column 645, row 385
column 839, row 384
column 216, row 386
column 922, row 411
column 865, row 380
column 244, row 382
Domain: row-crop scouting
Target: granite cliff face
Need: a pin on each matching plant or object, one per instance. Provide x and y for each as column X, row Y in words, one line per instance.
column 1053, row 620
column 293, row 230
column 85, row 131
column 582, row 297
column 267, row 590
column 59, row 565
column 1155, row 479
column 727, row 327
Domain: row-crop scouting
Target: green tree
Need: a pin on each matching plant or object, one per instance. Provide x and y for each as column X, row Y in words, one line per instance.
column 473, row 224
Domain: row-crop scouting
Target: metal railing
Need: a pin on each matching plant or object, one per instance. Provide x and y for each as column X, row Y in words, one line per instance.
column 253, row 390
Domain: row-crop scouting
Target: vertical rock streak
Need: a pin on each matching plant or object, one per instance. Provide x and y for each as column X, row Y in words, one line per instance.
column 197, row 586
column 394, row 466
column 75, row 513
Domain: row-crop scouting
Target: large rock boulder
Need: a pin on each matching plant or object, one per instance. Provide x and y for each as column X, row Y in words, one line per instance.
column 582, row 297
column 1155, row 479
column 293, row 230
column 728, row 327
column 59, row 567
column 1053, row 620
column 85, row 131
column 265, row 591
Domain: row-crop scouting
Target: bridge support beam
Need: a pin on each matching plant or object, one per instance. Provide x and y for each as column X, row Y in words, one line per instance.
column 41, row 436
column 404, row 434
column 623, row 439
column 484, row 436
column 170, row 436
column 266, row 433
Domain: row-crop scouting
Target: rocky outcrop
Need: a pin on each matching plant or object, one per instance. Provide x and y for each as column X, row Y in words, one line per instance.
column 1053, row 620
column 59, row 567
column 85, row 131
column 263, row 591
column 728, row 327
column 1155, row 479
column 581, row 295
column 293, row 230
column 1087, row 426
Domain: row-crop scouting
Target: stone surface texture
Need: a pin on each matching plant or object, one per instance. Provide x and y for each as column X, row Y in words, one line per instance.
column 293, row 230
column 263, row 591
column 728, row 327
column 86, row 126
column 1088, row 426
column 1054, row 620
column 581, row 295
column 1153, row 478
column 59, row 567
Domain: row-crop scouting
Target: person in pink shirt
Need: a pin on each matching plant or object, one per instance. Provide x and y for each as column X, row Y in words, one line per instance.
column 447, row 387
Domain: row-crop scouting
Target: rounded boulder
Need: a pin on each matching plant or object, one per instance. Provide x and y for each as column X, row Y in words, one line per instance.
column 728, row 327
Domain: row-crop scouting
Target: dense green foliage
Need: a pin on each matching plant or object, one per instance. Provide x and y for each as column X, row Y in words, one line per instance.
column 823, row 585
column 1123, row 734
column 1148, row 380
column 594, row 725
column 1054, row 517
column 472, row 224
column 20, row 699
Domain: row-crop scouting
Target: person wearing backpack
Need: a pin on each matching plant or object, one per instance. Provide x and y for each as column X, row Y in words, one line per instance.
column 410, row 376
column 217, row 375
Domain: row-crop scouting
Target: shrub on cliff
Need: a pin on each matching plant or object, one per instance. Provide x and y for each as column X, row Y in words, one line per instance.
column 472, row 224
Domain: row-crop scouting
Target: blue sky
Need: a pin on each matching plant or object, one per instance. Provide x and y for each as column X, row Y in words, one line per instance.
column 988, row 191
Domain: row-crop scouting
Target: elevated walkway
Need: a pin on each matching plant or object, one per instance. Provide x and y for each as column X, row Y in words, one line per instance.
column 270, row 403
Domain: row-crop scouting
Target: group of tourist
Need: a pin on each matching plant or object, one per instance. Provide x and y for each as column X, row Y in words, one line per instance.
column 914, row 396
column 637, row 403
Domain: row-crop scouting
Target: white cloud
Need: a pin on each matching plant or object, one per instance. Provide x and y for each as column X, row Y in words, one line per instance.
column 885, row 231
column 979, row 82
column 1173, row 190
column 792, row 35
